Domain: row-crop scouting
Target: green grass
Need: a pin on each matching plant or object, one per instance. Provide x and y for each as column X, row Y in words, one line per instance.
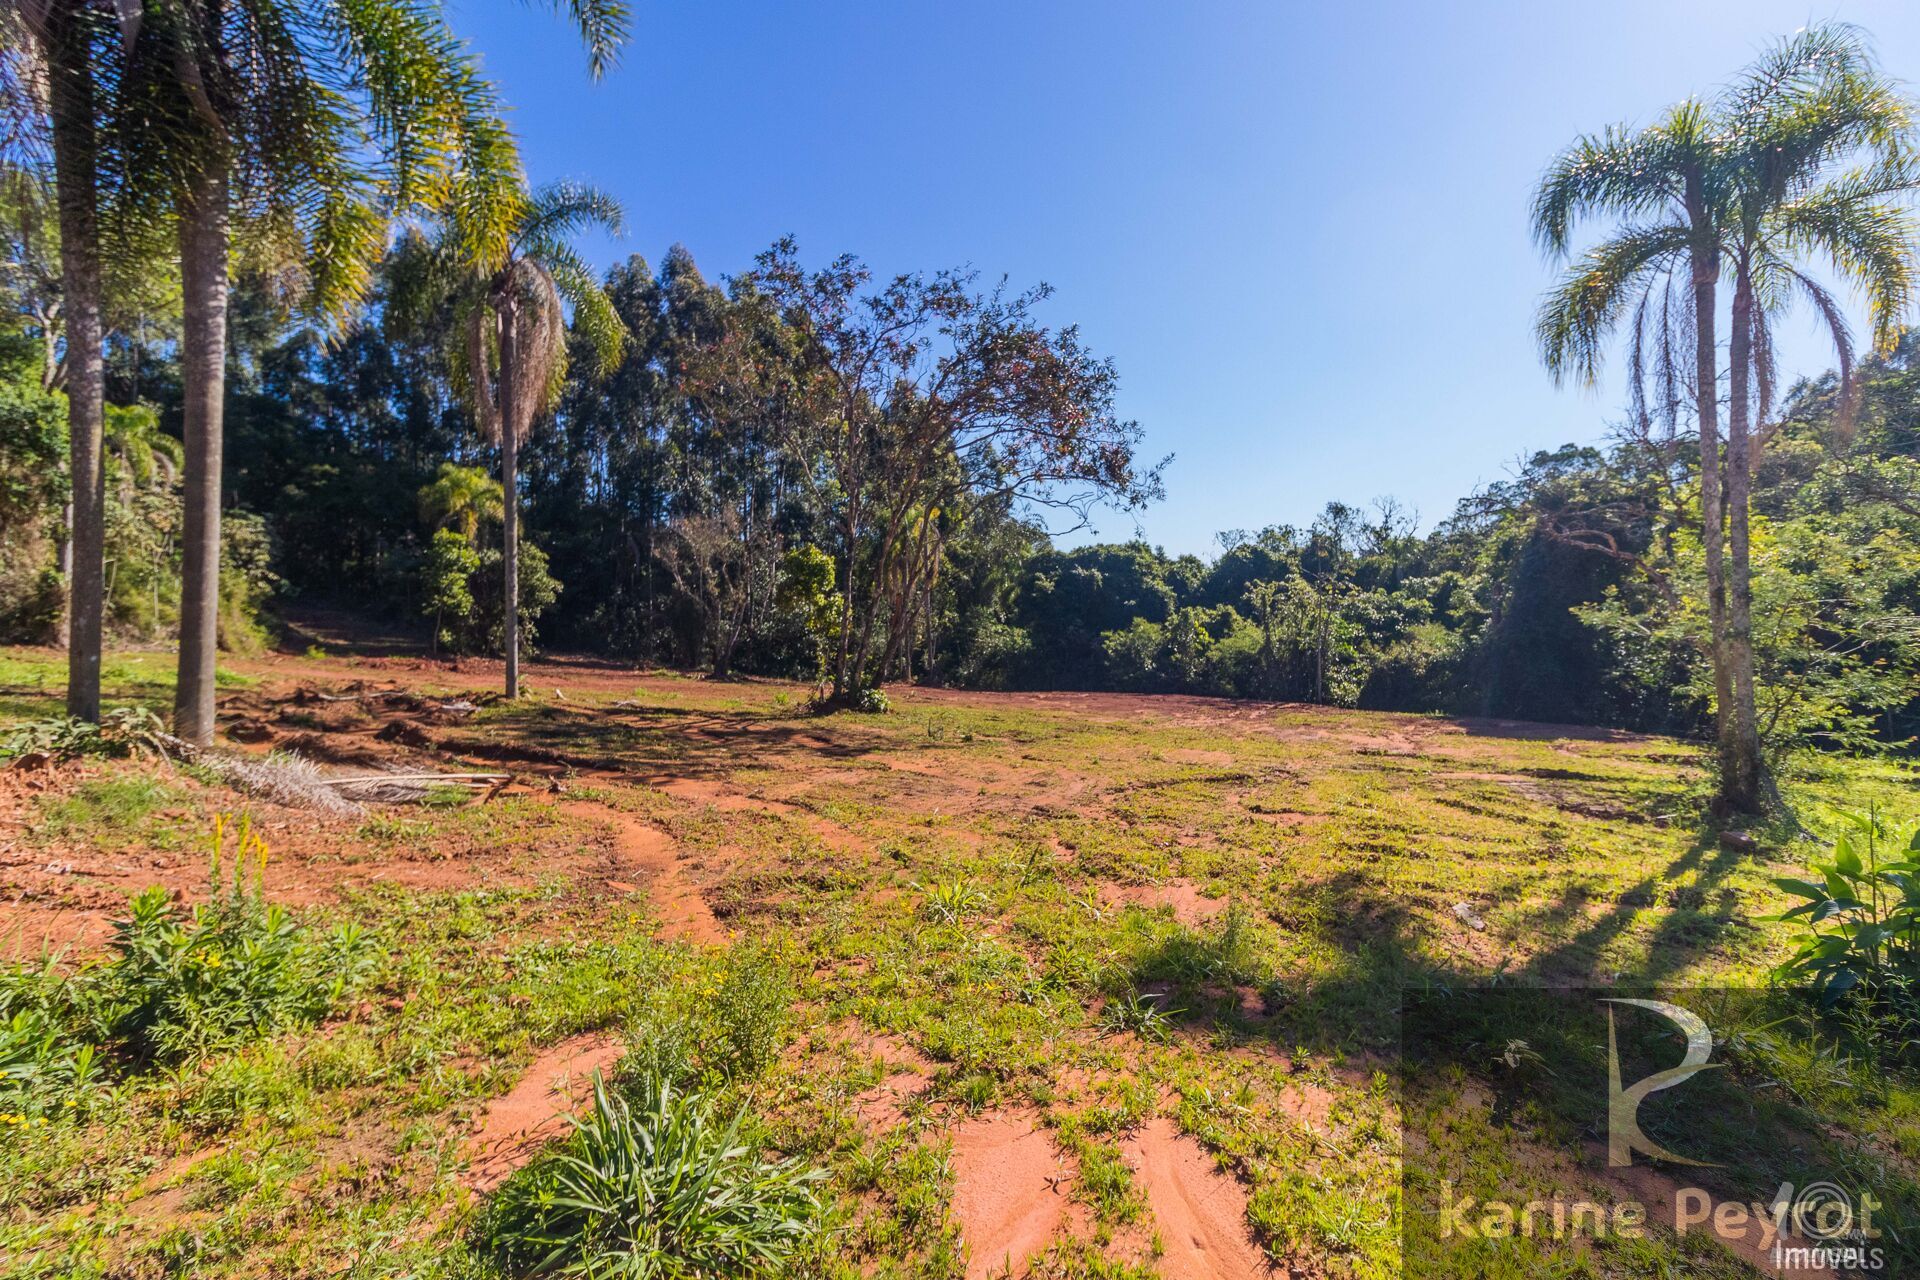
column 983, row 885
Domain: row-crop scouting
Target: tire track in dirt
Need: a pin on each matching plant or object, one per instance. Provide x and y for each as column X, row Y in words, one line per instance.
column 637, row 843
column 532, row 1113
column 1010, row 1192
column 1201, row 1213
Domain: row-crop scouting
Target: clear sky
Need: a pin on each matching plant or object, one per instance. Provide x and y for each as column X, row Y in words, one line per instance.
column 1300, row 230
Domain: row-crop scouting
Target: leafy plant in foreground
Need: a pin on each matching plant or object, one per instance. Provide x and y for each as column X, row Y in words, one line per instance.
column 181, row 982
column 1140, row 1014
column 1862, row 917
column 184, row 982
column 120, row 732
column 652, row 1186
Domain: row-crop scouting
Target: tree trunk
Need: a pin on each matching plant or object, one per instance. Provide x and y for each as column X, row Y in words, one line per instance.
column 75, row 159
column 1706, row 272
column 203, row 346
column 1741, row 783
column 510, row 506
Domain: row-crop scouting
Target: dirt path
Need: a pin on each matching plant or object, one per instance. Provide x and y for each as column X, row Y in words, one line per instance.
column 655, row 862
column 532, row 1113
column 1011, row 1192
column 1200, row 1212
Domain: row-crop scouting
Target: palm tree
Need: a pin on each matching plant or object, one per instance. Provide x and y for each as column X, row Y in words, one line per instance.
column 1736, row 189
column 60, row 50
column 460, row 498
column 303, row 124
column 319, row 116
column 510, row 349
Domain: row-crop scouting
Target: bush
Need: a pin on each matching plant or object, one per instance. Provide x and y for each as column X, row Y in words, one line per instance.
column 1862, row 920
column 184, row 982
column 120, row 732
column 652, row 1185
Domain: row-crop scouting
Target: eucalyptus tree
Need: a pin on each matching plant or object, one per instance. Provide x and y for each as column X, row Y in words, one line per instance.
column 1802, row 155
column 511, row 342
column 913, row 397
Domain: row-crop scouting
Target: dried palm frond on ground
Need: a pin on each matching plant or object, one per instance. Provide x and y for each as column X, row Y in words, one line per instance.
column 281, row 777
column 297, row 782
column 416, row 788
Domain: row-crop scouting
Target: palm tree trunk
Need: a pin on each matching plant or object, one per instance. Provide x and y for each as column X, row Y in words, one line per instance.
column 203, row 316
column 75, row 159
column 1706, row 272
column 510, row 505
column 1740, row 785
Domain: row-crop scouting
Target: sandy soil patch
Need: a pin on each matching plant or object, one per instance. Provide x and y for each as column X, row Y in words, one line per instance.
column 1190, row 906
column 1011, row 1191
column 1201, row 1213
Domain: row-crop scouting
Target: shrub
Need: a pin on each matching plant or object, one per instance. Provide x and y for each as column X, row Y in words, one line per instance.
column 185, row 982
column 751, row 1011
column 1862, row 919
column 652, row 1185
column 120, row 732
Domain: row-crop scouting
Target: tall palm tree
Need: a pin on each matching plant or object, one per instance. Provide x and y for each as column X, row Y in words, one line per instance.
column 511, row 353
column 303, row 122
column 59, row 51
column 1734, row 190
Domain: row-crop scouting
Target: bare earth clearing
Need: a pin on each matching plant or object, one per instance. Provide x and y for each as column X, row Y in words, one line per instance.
column 965, row 890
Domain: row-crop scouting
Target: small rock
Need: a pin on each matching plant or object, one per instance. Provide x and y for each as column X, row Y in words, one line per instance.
column 1739, row 841
column 1469, row 917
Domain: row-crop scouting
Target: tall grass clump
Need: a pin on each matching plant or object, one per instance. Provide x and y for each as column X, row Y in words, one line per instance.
column 652, row 1183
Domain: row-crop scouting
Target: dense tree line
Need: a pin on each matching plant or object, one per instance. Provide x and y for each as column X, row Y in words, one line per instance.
column 669, row 524
column 346, row 355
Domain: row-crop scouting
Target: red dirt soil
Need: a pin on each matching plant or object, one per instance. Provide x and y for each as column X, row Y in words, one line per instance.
column 683, row 913
column 532, row 1113
column 1011, row 1192
column 1200, row 1212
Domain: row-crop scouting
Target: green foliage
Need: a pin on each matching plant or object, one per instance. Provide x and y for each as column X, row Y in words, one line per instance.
column 41, row 1070
column 184, row 982
column 870, row 700
column 121, row 732
column 806, row 591
column 651, row 1183
column 460, row 500
column 1140, row 1014
column 461, row 590
column 446, row 586
column 1861, row 913
column 33, row 440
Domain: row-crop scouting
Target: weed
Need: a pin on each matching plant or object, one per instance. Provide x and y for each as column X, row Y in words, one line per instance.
column 1140, row 1014
column 750, row 1009
column 120, row 732
column 1870, row 905
column 653, row 1184
column 951, row 901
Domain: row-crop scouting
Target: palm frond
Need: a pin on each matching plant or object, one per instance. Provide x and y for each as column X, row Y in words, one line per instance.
column 559, row 210
column 1577, row 317
column 604, row 26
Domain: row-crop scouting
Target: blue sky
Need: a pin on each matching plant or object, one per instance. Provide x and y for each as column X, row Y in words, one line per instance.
column 1299, row 230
